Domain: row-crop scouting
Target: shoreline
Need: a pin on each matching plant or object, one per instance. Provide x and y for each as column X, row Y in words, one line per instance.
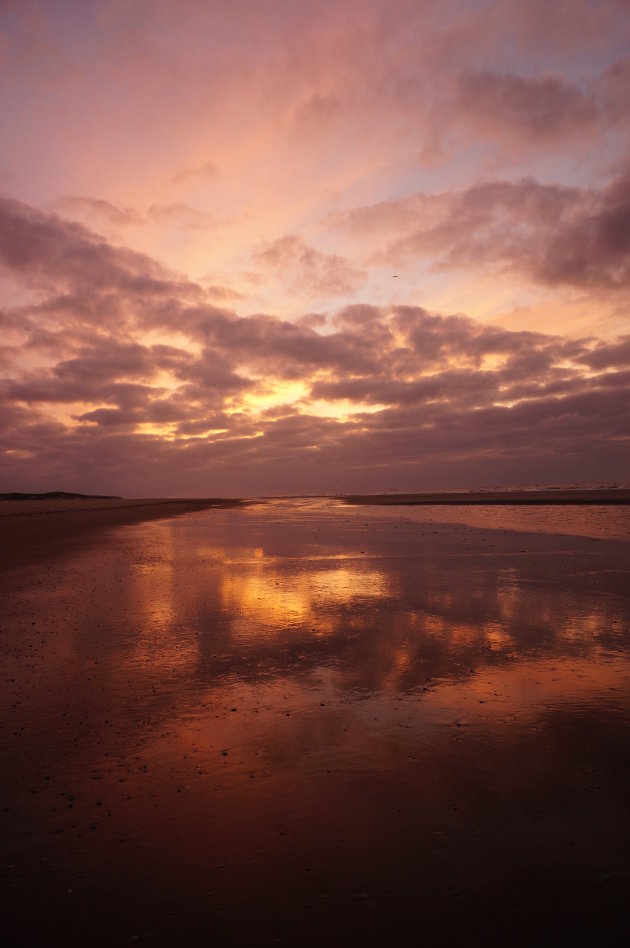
column 31, row 530
column 594, row 497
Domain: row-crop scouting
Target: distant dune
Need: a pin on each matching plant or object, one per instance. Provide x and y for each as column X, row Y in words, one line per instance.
column 59, row 495
column 509, row 497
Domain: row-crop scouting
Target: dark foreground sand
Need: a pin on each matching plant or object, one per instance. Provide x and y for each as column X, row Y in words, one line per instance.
column 539, row 498
column 35, row 529
column 307, row 723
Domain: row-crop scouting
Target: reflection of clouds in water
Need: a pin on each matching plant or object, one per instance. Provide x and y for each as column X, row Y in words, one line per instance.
column 160, row 640
column 345, row 583
column 270, row 593
column 528, row 689
column 190, row 602
column 303, row 601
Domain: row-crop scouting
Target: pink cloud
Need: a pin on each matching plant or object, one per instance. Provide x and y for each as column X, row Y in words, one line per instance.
column 97, row 210
column 555, row 235
column 541, row 108
column 207, row 170
column 305, row 267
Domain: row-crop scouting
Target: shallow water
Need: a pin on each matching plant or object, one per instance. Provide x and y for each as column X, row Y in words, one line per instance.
column 303, row 722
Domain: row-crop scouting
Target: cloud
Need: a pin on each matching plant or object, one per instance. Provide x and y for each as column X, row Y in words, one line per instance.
column 609, row 355
column 97, row 211
column 613, row 86
column 219, row 292
column 307, row 269
column 206, row 171
column 541, row 108
column 130, row 376
column 46, row 249
column 317, row 111
column 182, row 215
column 555, row 235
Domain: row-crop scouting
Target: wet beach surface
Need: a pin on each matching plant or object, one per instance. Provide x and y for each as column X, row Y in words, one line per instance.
column 307, row 723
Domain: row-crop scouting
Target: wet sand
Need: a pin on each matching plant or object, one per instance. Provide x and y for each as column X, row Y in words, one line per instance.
column 537, row 498
column 35, row 529
column 312, row 723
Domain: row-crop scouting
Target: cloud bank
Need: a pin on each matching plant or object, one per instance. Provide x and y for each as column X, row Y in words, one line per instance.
column 120, row 375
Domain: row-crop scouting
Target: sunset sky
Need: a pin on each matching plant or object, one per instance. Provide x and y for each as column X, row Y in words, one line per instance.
column 277, row 247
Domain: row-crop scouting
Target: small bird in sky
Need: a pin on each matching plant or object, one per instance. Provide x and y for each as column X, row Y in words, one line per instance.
column 395, row 277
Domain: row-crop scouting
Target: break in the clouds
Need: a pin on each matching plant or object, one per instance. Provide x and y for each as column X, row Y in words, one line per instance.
column 269, row 247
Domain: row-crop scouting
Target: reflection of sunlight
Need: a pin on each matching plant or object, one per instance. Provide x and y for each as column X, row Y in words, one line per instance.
column 401, row 659
column 464, row 634
column 583, row 627
column 258, row 598
column 496, row 636
column 435, row 625
column 344, row 582
column 158, row 642
column 266, row 594
column 152, row 587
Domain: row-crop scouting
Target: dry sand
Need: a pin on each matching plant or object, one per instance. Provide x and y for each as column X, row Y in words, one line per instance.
column 31, row 530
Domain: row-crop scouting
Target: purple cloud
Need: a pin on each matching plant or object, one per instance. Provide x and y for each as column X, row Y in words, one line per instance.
column 89, row 400
column 543, row 108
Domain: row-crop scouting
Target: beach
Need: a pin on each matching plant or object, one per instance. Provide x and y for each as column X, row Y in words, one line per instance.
column 35, row 529
column 309, row 722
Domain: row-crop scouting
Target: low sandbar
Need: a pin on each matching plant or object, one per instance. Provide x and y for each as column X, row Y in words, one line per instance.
column 563, row 497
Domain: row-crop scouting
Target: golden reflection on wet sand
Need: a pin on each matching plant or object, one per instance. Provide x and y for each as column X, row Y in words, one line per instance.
column 301, row 724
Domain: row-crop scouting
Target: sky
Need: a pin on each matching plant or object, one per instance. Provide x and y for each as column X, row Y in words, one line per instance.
column 266, row 247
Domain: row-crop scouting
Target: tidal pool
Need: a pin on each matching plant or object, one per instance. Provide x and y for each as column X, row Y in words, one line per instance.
column 307, row 723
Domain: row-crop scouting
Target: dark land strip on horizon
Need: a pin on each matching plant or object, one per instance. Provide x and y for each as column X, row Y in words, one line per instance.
column 594, row 496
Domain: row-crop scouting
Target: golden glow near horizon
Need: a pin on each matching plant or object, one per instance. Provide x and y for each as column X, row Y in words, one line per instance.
column 375, row 256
